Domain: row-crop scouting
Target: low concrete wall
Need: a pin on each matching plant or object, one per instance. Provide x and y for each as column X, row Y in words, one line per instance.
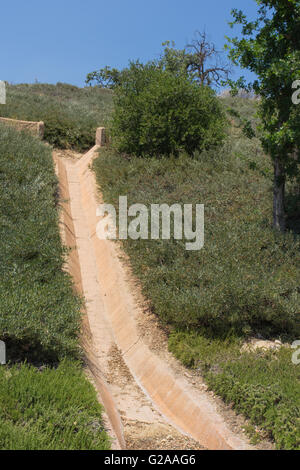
column 101, row 138
column 34, row 128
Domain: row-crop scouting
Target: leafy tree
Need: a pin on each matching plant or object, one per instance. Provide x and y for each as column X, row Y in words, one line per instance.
column 105, row 78
column 200, row 60
column 270, row 48
column 160, row 113
column 173, row 60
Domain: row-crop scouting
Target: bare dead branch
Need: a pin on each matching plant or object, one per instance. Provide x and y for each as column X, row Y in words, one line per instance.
column 206, row 62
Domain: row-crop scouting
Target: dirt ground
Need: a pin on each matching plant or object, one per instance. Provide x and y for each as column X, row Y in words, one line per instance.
column 144, row 427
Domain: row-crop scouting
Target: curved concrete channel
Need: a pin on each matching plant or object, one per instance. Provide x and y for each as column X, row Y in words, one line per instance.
column 156, row 391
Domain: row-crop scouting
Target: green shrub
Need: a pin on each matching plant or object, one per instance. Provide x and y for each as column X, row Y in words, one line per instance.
column 158, row 113
column 265, row 405
column 39, row 314
column 49, row 409
column 263, row 386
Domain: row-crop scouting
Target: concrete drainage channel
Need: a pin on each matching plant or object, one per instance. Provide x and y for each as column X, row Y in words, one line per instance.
column 149, row 404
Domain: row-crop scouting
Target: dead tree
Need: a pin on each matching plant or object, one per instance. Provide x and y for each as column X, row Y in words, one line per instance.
column 205, row 62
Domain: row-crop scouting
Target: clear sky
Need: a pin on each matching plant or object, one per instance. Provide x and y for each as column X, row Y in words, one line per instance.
column 63, row 40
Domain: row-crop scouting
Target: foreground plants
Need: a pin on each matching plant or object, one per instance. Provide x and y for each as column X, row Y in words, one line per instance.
column 263, row 385
column 49, row 409
column 39, row 313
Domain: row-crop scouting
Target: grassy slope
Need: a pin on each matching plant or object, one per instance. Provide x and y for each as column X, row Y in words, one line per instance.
column 40, row 407
column 38, row 311
column 244, row 282
column 49, row 409
column 71, row 114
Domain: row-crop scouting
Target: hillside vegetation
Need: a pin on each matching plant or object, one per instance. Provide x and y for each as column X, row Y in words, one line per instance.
column 38, row 310
column 49, row 409
column 246, row 278
column 71, row 115
column 49, row 404
column 244, row 282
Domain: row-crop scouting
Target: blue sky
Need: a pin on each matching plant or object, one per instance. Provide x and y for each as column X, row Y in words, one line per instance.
column 63, row 40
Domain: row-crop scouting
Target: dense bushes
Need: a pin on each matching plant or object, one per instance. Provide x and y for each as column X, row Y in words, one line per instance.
column 39, row 314
column 265, row 390
column 263, row 385
column 49, row 409
column 71, row 115
column 158, row 113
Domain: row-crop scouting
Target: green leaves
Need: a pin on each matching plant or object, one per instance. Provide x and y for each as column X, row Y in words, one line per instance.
column 271, row 49
column 105, row 78
column 263, row 385
column 158, row 113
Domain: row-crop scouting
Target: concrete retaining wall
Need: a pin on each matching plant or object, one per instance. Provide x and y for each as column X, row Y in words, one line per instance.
column 101, row 138
column 34, row 128
column 38, row 129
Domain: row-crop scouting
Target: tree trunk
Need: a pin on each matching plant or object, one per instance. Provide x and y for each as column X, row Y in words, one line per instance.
column 279, row 192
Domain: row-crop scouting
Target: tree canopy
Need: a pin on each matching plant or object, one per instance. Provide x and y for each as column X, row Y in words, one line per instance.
column 270, row 47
